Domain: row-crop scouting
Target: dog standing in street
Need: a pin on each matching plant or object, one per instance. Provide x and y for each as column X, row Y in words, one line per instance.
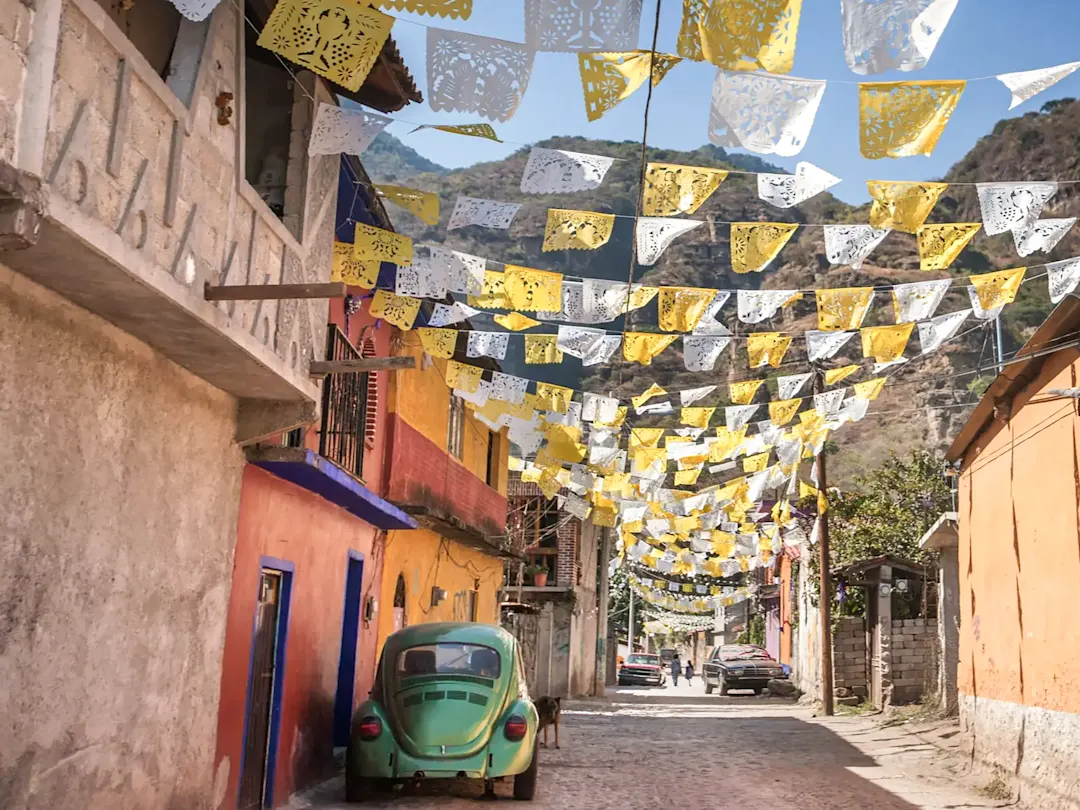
column 550, row 711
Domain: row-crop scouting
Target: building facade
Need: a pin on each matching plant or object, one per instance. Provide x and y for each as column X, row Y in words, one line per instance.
column 448, row 471
column 149, row 551
column 1018, row 537
column 301, row 642
column 560, row 636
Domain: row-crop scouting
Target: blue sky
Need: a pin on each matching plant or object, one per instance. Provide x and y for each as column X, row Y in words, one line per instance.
column 984, row 38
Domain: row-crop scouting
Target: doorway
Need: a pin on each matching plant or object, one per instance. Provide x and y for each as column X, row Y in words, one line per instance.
column 400, row 619
column 265, row 682
column 350, row 631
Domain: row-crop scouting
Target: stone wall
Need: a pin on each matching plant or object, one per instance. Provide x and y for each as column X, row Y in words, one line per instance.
column 121, row 489
column 914, row 644
column 849, row 655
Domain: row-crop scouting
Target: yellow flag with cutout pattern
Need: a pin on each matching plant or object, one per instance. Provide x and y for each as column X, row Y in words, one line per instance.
column 886, row 343
column 939, row 245
column 901, row 119
column 687, row 477
column 869, row 389
column 902, row 206
column 843, row 309
column 653, row 390
column 438, row 342
column 515, row 321
column 997, row 289
column 742, row 393
column 680, row 308
column 696, row 417
column 782, row 411
column 838, row 375
column 642, row 347
column 672, row 189
column 767, row 349
column 422, row 204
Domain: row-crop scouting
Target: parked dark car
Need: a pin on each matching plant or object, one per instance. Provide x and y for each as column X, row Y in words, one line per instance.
column 740, row 666
column 642, row 669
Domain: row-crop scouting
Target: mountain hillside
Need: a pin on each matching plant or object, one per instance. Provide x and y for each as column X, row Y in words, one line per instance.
column 1037, row 146
column 391, row 161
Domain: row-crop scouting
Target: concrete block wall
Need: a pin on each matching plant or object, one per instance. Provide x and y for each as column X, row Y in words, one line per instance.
column 914, row 646
column 849, row 655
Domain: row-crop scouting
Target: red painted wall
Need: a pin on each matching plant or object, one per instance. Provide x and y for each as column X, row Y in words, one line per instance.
column 281, row 520
column 423, row 474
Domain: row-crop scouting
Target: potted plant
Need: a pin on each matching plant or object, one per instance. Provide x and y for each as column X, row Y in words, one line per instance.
column 540, row 575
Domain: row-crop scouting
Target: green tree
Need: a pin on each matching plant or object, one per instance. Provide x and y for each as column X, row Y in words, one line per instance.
column 885, row 514
column 889, row 509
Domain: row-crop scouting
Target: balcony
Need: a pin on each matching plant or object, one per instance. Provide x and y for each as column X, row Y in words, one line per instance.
column 132, row 188
column 344, row 409
column 430, row 485
column 336, row 471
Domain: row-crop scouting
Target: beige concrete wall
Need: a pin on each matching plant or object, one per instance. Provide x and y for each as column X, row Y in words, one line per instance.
column 914, row 658
column 15, row 21
column 849, row 654
column 120, row 484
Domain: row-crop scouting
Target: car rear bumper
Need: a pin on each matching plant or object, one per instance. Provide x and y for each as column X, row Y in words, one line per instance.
column 641, row 678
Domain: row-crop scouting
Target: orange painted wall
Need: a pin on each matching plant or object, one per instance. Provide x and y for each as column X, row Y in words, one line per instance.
column 281, row 520
column 1020, row 551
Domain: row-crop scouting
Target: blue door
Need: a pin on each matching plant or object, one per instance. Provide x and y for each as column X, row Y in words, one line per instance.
column 350, row 631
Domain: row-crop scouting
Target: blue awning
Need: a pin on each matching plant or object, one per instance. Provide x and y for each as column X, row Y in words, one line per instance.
column 309, row 470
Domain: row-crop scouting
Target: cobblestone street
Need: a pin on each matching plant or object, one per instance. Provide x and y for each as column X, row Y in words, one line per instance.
column 675, row 747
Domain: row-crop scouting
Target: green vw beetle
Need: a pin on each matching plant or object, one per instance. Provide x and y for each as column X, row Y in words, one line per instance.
column 449, row 701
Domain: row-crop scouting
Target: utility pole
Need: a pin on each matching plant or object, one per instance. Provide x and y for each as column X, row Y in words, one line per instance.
column 630, row 624
column 824, row 599
column 603, row 599
column 998, row 344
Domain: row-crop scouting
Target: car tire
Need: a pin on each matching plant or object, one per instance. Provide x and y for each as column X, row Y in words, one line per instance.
column 357, row 788
column 723, row 687
column 525, row 782
column 758, row 690
column 708, row 688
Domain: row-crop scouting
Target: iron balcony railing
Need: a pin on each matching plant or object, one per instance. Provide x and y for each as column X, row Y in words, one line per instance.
column 344, row 409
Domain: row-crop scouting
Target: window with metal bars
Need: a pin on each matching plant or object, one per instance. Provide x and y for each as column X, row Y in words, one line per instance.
column 455, row 428
column 344, row 409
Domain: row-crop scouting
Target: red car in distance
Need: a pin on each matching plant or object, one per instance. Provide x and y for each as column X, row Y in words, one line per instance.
column 642, row 669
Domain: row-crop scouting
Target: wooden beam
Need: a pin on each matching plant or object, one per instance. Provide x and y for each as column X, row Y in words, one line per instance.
column 320, row 368
column 273, row 292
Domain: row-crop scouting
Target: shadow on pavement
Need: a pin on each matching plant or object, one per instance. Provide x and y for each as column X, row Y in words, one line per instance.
column 612, row 760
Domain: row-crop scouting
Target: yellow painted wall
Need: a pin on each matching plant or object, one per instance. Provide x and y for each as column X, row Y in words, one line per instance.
column 422, row 398
column 427, row 560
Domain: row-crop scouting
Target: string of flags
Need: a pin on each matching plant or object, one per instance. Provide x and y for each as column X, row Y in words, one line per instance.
column 755, row 104
column 577, row 447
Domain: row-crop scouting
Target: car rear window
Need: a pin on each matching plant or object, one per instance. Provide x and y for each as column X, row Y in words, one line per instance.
column 448, row 658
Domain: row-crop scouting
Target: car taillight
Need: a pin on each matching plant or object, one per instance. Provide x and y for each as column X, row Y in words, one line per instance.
column 516, row 728
column 370, row 728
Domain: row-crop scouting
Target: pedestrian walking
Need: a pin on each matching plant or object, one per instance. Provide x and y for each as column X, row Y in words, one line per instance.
column 689, row 671
column 676, row 668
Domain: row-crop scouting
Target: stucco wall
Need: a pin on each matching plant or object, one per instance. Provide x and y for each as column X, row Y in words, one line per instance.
column 1019, row 565
column 281, row 520
column 422, row 399
column 426, row 560
column 120, row 487
column 807, row 666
